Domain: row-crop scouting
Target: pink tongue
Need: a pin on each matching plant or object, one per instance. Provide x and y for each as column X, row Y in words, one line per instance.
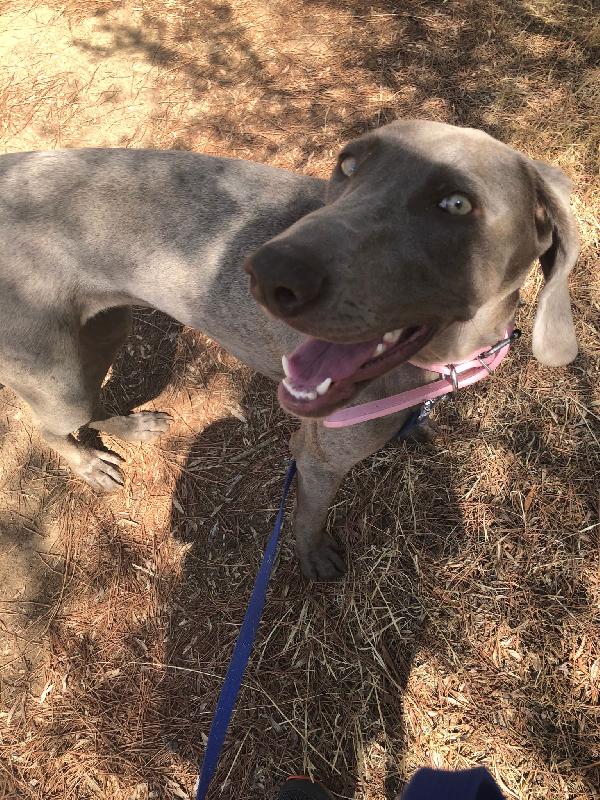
column 314, row 361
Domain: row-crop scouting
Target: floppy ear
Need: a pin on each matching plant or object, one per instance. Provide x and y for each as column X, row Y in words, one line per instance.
column 554, row 340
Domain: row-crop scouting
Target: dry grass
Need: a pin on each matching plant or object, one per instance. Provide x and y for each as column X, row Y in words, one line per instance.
column 467, row 630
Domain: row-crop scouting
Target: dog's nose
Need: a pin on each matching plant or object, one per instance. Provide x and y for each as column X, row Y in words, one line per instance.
column 285, row 278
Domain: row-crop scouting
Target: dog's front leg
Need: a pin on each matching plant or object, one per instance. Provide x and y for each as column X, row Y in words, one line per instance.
column 323, row 457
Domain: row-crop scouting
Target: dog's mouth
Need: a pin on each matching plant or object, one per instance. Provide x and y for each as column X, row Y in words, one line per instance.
column 320, row 376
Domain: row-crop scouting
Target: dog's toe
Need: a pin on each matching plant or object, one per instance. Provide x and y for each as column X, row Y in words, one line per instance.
column 144, row 426
column 325, row 563
column 99, row 468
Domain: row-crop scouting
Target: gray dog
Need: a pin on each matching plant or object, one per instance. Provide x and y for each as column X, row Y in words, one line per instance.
column 417, row 244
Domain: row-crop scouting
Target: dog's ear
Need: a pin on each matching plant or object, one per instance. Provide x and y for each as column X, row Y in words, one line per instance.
column 554, row 340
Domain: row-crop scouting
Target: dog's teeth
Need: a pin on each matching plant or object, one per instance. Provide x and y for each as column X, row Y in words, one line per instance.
column 286, row 366
column 298, row 393
column 379, row 349
column 323, row 387
column 391, row 337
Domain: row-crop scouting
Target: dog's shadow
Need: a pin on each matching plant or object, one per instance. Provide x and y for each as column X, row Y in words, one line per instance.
column 146, row 364
column 323, row 693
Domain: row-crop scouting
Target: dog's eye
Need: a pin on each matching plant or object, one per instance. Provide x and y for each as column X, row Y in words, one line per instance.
column 348, row 166
column 456, row 204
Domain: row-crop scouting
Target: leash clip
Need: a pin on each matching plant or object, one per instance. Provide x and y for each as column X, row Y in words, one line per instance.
column 502, row 343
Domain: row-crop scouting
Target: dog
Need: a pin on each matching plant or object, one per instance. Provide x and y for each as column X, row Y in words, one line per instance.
column 416, row 246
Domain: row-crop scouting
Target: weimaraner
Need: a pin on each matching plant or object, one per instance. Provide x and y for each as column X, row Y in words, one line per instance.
column 419, row 242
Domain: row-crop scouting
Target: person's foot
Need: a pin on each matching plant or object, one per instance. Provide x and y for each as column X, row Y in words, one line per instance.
column 300, row 788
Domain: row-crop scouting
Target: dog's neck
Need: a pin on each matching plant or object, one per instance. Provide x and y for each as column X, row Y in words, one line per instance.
column 458, row 341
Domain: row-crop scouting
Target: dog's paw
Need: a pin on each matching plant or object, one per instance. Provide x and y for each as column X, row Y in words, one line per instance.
column 100, row 469
column 324, row 563
column 143, row 426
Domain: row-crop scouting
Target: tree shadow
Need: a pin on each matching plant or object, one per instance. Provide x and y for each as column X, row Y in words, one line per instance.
column 429, row 60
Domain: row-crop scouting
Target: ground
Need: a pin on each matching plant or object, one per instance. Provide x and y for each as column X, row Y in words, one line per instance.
column 467, row 629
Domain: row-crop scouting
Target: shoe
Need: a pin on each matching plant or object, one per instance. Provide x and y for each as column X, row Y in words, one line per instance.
column 301, row 788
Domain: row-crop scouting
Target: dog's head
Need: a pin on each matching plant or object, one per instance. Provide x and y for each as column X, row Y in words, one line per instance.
column 425, row 225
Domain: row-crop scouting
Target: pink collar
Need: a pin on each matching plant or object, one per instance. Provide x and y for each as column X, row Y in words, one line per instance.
column 455, row 376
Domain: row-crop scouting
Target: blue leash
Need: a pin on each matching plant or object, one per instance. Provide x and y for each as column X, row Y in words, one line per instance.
column 243, row 646
column 241, row 651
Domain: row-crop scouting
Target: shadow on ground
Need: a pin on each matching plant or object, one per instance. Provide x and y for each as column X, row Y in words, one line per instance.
column 469, row 63
column 328, row 673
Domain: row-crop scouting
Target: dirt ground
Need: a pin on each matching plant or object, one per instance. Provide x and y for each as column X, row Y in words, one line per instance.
column 467, row 631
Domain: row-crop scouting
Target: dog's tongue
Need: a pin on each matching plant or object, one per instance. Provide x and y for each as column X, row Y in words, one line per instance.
column 315, row 360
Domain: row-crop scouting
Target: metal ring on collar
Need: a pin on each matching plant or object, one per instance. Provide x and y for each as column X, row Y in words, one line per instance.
column 453, row 377
column 484, row 365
